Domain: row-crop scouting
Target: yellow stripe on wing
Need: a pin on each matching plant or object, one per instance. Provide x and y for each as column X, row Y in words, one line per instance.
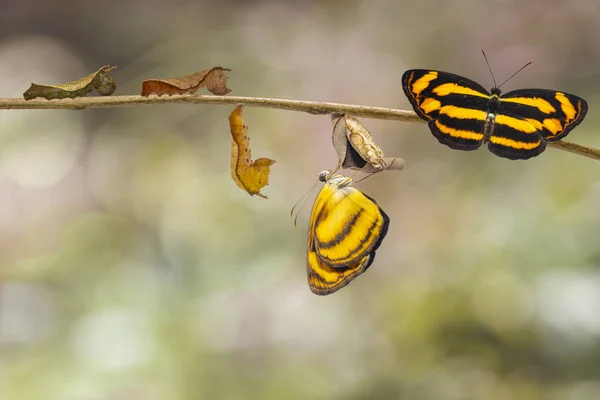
column 553, row 125
column 422, row 83
column 446, row 89
column 463, row 113
column 429, row 105
column 521, row 125
column 458, row 133
column 566, row 106
column 537, row 102
column 502, row 141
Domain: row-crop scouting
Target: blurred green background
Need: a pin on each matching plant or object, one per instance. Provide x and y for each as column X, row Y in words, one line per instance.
column 132, row 266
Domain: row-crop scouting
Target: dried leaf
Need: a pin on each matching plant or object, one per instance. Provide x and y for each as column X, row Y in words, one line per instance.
column 99, row 80
column 214, row 79
column 356, row 149
column 247, row 174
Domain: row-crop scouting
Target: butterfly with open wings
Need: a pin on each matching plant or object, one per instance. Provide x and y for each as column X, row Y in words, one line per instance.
column 516, row 125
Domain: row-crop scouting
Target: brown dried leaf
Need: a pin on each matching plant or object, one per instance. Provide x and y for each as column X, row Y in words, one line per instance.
column 247, row 174
column 99, row 80
column 356, row 149
column 213, row 79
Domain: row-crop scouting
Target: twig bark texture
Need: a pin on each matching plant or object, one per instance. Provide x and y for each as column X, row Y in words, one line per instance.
column 311, row 107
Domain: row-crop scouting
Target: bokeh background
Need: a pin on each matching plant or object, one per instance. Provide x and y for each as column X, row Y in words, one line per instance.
column 132, row 267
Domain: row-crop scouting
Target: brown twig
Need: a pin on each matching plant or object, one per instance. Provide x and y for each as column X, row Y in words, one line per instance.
column 576, row 149
column 311, row 107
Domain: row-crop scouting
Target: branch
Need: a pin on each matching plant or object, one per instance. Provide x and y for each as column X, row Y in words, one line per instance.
column 311, row 107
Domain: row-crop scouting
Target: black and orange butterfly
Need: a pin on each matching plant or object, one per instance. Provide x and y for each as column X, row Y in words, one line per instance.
column 516, row 125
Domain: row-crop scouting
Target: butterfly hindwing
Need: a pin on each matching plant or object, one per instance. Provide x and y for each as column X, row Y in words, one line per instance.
column 324, row 279
column 515, row 138
column 458, row 134
column 463, row 115
column 346, row 227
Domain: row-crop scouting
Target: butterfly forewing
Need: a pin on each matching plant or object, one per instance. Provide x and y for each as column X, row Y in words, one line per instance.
column 453, row 105
column 347, row 226
column 428, row 91
column 515, row 138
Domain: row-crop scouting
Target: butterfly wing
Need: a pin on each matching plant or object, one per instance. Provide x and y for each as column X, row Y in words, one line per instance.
column 323, row 279
column 458, row 134
column 453, row 106
column 328, row 222
column 348, row 226
column 553, row 113
column 515, row 137
column 429, row 90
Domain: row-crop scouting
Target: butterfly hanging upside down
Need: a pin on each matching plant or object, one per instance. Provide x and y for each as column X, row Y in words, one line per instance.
column 346, row 228
column 463, row 115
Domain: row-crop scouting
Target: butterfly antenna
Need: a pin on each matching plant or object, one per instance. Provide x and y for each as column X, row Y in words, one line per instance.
column 490, row 68
column 305, row 198
column 520, row 69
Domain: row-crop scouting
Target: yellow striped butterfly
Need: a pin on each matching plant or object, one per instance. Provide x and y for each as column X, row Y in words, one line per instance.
column 516, row 125
column 346, row 227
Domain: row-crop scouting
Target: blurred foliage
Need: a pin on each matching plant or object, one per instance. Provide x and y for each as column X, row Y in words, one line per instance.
column 134, row 268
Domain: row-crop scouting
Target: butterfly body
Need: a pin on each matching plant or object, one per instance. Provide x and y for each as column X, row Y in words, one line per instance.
column 346, row 228
column 516, row 125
